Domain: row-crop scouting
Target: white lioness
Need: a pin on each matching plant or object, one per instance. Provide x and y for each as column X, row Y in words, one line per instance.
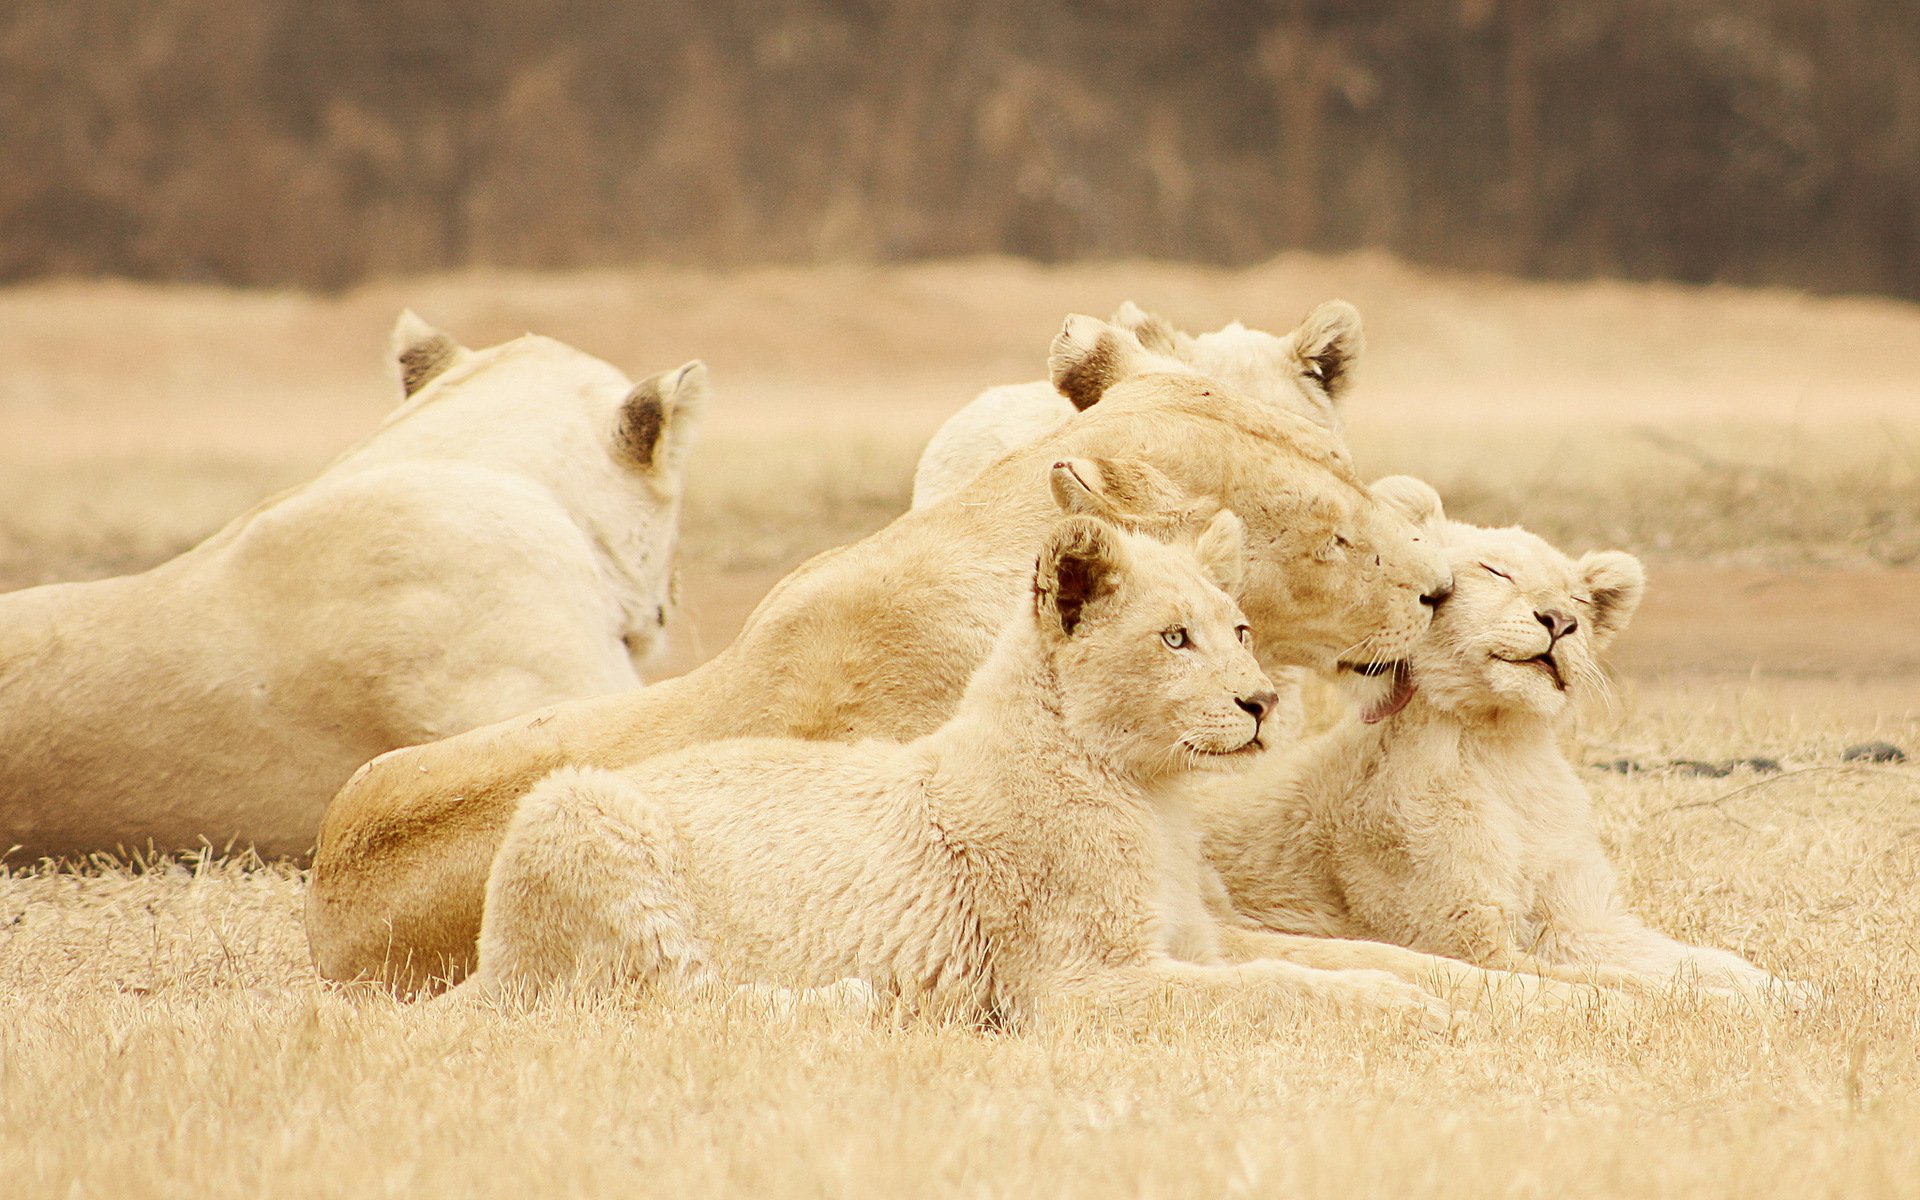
column 504, row 540
column 1308, row 371
column 1443, row 815
column 877, row 639
column 1023, row 850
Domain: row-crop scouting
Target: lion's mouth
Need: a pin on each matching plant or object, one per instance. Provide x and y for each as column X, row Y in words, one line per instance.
column 1545, row 662
column 1252, row 745
column 1397, row 695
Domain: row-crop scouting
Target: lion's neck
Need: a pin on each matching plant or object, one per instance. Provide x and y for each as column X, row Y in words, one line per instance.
column 1009, row 735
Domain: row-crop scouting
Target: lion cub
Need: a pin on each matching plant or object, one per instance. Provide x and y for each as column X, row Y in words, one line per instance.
column 1443, row 816
column 1034, row 847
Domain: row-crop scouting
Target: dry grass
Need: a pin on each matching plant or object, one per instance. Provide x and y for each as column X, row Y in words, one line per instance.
column 164, row 1036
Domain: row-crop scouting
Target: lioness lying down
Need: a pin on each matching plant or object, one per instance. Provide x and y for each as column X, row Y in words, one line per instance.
column 504, row 540
column 877, row 639
column 1022, row 851
column 1445, row 817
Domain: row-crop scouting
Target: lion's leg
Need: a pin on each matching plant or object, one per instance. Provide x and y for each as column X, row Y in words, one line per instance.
column 582, row 892
column 1459, row 982
column 1136, row 991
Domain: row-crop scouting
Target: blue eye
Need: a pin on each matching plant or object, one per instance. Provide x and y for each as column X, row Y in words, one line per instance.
column 1175, row 638
column 1244, row 633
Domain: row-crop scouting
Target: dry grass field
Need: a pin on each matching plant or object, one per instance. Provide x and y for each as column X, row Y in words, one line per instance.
column 161, row 1033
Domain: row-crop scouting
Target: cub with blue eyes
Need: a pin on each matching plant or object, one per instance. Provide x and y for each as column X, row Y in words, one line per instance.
column 1441, row 816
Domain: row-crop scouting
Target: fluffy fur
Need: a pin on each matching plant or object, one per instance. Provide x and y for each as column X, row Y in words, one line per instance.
column 877, row 639
column 1022, row 851
column 504, row 540
column 1455, row 826
column 1307, row 371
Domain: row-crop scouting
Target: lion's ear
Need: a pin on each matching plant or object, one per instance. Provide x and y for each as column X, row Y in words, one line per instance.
column 1113, row 488
column 1081, row 562
column 420, row 351
column 1088, row 356
column 1327, row 345
column 1412, row 498
column 1222, row 550
column 1152, row 331
column 1615, row 582
column 659, row 416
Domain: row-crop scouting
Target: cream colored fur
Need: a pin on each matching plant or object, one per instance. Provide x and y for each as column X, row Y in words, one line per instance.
column 877, row 639
column 1457, row 827
column 504, row 540
column 1024, row 851
column 1307, row 371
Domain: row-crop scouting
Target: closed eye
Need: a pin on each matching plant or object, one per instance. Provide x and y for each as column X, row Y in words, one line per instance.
column 1497, row 571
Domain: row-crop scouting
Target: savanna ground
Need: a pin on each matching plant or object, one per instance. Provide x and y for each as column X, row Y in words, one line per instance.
column 162, row 1034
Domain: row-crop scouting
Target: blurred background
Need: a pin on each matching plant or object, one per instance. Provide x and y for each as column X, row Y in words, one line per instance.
column 319, row 143
column 1635, row 273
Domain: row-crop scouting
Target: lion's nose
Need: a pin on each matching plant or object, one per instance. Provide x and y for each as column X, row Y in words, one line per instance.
column 1437, row 596
column 1259, row 704
column 1559, row 624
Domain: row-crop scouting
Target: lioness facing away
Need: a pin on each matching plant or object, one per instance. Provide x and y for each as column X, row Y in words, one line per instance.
column 1024, row 850
column 1443, row 816
column 504, row 540
column 877, row 639
column 1307, row 371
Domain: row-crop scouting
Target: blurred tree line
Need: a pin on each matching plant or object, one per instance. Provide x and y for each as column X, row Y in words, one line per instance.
column 317, row 142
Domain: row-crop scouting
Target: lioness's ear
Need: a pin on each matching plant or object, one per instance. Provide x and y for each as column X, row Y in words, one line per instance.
column 1412, row 498
column 1112, row 488
column 1615, row 581
column 1153, row 332
column 1222, row 550
column 1080, row 563
column 659, row 416
column 1327, row 345
column 1088, row 356
column 420, row 351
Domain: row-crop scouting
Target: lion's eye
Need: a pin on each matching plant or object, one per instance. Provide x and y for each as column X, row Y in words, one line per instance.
column 1175, row 638
column 1244, row 633
column 1492, row 570
column 1587, row 600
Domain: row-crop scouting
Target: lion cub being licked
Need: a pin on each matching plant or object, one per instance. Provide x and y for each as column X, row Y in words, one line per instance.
column 504, row 540
column 1025, row 850
column 1443, row 816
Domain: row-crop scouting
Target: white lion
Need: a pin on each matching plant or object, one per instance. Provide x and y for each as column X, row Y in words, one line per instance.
column 504, row 540
column 1443, row 815
column 1308, row 371
column 1027, row 849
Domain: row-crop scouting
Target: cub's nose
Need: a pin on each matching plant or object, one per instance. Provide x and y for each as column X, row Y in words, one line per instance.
column 1437, row 596
column 1559, row 624
column 1259, row 704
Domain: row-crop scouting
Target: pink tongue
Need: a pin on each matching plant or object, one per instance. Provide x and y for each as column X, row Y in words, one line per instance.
column 1394, row 700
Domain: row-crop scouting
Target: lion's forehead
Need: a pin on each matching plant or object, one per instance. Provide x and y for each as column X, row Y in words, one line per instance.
column 1534, row 563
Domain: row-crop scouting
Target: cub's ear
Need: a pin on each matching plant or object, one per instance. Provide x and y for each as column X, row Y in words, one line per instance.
column 1412, row 498
column 1153, row 332
column 1088, row 356
column 420, row 351
column 1222, row 550
column 1327, row 345
column 1082, row 562
column 659, row 416
column 1616, row 581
